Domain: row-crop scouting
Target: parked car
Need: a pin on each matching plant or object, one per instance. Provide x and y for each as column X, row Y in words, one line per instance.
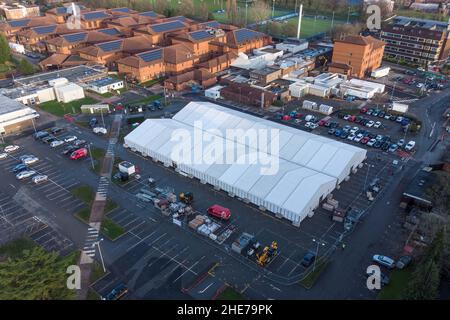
column 70, row 138
column 399, row 119
column 19, row 168
column 377, row 124
column 219, row 212
column 354, row 130
column 93, row 122
column 365, row 140
column 351, row 136
column 347, row 116
column 117, row 293
column 69, row 149
column 375, row 113
column 392, row 118
column 410, row 145
column 79, row 142
column 39, row 178
column 48, row 139
column 308, row 259
column 56, row 143
column 384, row 279
column 21, row 158
column 101, row 130
column 25, row 174
column 377, row 144
column 343, row 135
column 347, row 128
column 331, row 131
column 385, row 146
column 363, row 110
column 30, row 160
column 387, row 116
column 358, row 138
column 401, row 142
column 56, row 130
column 384, row 261
column 403, row 262
column 313, row 125
column 338, row 132
column 3, row 155
column 371, row 142
column 369, row 112
column 78, row 154
column 40, row 134
column 11, row 148
column 381, row 114
column 370, row 123
column 393, row 147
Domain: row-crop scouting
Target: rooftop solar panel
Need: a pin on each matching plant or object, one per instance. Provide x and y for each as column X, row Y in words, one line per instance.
column 110, row 46
column 95, row 15
column 121, row 10
column 243, row 35
column 44, row 29
column 75, row 37
column 212, row 24
column 200, row 35
column 151, row 55
column 19, row 23
column 180, row 18
column 150, row 14
column 168, row 26
column 110, row 31
column 61, row 10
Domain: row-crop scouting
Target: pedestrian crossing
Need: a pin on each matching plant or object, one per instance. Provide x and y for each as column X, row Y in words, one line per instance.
column 402, row 100
column 90, row 242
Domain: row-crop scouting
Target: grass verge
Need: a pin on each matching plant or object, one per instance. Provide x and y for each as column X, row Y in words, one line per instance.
column 109, row 228
column 395, row 290
column 311, row 278
column 59, row 109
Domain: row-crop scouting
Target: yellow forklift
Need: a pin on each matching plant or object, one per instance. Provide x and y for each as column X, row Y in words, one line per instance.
column 267, row 254
column 186, row 197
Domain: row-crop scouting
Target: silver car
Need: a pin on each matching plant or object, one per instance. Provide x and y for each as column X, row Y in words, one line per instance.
column 384, row 261
column 39, row 178
column 25, row 174
column 30, row 160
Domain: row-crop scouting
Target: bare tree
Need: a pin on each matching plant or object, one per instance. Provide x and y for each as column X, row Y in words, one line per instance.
column 259, row 11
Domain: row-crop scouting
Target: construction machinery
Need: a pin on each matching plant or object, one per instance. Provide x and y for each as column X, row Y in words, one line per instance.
column 186, row 197
column 268, row 254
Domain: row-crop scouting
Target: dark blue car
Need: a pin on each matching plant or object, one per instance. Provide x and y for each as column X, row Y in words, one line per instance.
column 308, row 259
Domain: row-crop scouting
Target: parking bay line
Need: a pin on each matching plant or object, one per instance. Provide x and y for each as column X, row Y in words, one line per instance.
column 142, row 239
column 189, row 269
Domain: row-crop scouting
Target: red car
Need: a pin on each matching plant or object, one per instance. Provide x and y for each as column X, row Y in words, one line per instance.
column 287, row 118
column 78, row 154
column 219, row 212
column 365, row 140
column 352, row 119
column 363, row 110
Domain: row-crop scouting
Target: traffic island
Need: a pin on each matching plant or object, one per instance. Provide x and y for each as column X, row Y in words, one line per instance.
column 109, row 229
column 309, row 281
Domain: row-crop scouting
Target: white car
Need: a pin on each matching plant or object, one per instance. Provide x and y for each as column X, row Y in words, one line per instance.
column 410, row 145
column 21, row 158
column 56, row 143
column 354, row 129
column 70, row 138
column 30, row 160
column 3, row 155
column 313, row 125
column 379, row 137
column 101, row 130
column 11, row 148
column 347, row 116
column 377, row 124
column 401, row 142
column 25, row 174
column 358, row 138
column 371, row 142
column 384, row 261
column 370, row 123
column 419, row 85
column 351, row 136
column 39, row 178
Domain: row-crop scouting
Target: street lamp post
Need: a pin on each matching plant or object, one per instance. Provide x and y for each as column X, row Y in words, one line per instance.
column 318, row 243
column 100, row 252
column 246, row 13
column 367, row 174
column 90, row 155
column 273, row 8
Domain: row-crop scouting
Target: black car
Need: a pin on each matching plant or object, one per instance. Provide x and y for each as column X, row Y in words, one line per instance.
column 40, row 134
column 56, row 130
column 385, row 146
column 392, row 118
column 48, row 138
column 20, row 167
column 334, row 125
column 372, row 135
column 93, row 122
column 69, row 149
column 377, row 144
column 381, row 114
column 344, row 135
column 364, row 121
column 308, row 259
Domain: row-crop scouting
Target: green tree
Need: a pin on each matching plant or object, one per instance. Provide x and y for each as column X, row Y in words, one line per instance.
column 26, row 67
column 426, row 277
column 5, row 50
column 34, row 275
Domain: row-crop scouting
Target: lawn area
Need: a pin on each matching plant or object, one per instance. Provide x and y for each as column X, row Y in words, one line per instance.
column 151, row 82
column 396, row 288
column 231, row 294
column 60, row 109
column 421, row 15
column 146, row 100
column 311, row 278
column 109, row 228
column 312, row 27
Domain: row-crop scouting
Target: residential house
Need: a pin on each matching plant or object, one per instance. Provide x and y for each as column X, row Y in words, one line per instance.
column 34, row 38
column 143, row 66
column 66, row 44
column 94, row 19
column 201, row 77
column 10, row 28
column 158, row 33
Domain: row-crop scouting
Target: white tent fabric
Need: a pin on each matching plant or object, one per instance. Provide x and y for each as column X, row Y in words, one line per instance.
column 309, row 166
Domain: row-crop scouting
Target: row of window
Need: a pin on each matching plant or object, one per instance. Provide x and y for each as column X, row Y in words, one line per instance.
column 414, row 53
column 406, row 37
column 411, row 45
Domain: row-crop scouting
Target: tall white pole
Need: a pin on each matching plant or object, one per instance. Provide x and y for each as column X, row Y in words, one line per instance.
column 300, row 13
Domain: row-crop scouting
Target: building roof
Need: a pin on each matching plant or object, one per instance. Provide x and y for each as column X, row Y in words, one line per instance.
column 416, row 23
column 8, row 105
column 307, row 168
column 130, row 45
column 143, row 59
column 242, row 36
column 26, row 23
column 46, row 30
column 362, row 41
column 199, row 75
column 95, row 15
column 418, row 188
column 88, row 37
column 164, row 27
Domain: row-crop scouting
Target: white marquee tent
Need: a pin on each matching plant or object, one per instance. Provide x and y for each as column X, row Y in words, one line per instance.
column 309, row 167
